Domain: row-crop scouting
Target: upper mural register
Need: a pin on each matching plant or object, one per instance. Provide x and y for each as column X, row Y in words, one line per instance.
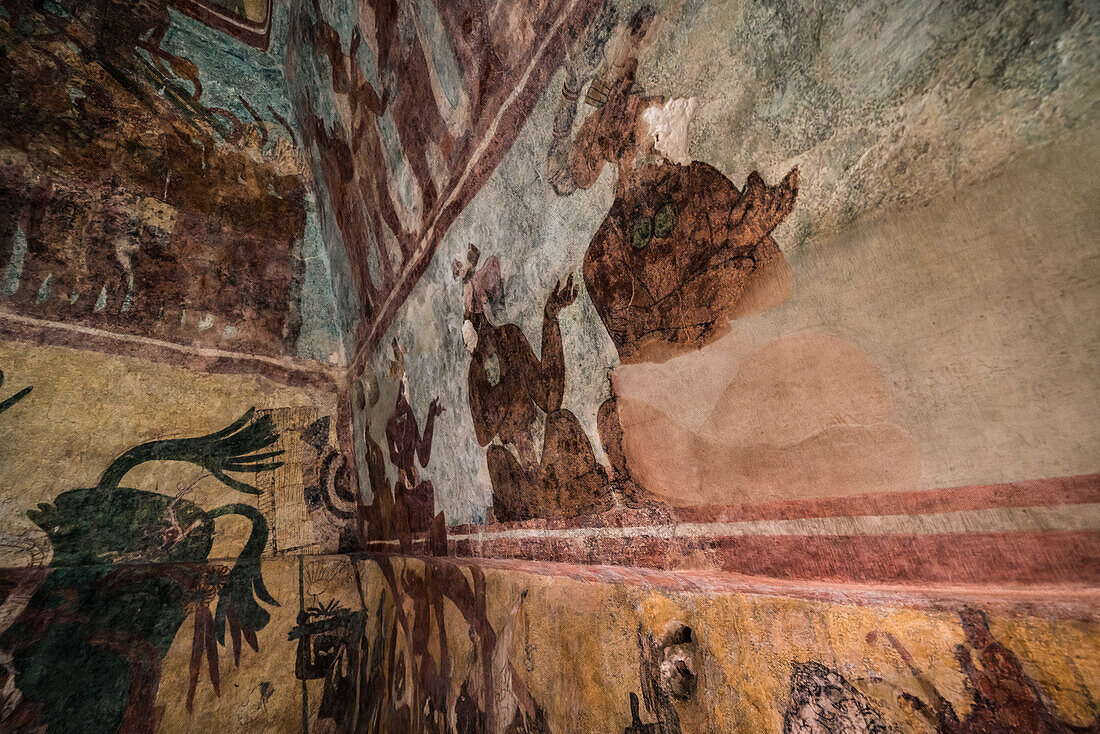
column 697, row 275
column 143, row 192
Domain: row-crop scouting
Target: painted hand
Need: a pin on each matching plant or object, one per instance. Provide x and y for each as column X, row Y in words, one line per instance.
column 561, row 297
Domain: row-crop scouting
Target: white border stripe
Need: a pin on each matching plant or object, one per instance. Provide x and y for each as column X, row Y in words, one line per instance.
column 1007, row 519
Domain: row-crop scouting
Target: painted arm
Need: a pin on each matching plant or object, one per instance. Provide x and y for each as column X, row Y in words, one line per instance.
column 558, row 159
column 237, row 601
column 478, row 386
column 424, row 444
column 577, row 163
column 551, row 369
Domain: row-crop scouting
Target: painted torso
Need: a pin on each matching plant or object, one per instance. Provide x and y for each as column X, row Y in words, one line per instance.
column 505, row 394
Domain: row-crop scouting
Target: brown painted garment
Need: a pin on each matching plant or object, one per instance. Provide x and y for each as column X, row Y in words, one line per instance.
column 414, row 499
column 567, row 481
column 675, row 252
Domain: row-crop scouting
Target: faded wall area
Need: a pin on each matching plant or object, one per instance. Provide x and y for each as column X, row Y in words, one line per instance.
column 559, row 366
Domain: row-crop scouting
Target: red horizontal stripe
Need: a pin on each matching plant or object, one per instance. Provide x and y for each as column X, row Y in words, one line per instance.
column 1082, row 489
column 1008, row 559
column 1048, row 601
column 1073, row 490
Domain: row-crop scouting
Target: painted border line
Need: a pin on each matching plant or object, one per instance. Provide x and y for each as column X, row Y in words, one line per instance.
column 297, row 373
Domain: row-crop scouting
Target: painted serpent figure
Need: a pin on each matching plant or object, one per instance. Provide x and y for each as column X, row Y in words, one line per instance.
column 128, row 567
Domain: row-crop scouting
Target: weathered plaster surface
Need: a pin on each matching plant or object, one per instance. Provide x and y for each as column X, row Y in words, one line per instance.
column 159, row 257
column 957, row 135
column 576, row 648
column 846, row 484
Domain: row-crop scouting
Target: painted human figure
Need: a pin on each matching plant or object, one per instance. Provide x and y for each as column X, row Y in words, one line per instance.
column 1004, row 697
column 414, row 498
column 509, row 386
column 378, row 516
column 682, row 248
column 681, row 242
column 332, row 647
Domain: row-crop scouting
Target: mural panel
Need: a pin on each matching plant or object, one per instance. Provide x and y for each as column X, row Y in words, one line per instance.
column 440, row 646
column 783, row 376
column 142, row 192
column 134, row 532
column 633, row 447
column 390, row 644
column 410, row 120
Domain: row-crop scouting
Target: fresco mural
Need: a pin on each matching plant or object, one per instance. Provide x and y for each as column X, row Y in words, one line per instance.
column 137, row 601
column 429, row 626
column 404, row 682
column 822, row 701
column 667, row 672
column 412, row 118
column 399, row 644
column 256, row 12
column 508, row 387
column 680, row 243
column 556, row 427
column 85, row 651
column 717, row 368
column 677, row 254
column 141, row 195
column 331, row 646
column 413, row 497
column 309, row 501
column 1004, row 697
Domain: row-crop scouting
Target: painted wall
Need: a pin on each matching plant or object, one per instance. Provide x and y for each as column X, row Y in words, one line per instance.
column 926, row 323
column 152, row 184
column 792, row 298
column 548, row 366
column 400, row 644
column 169, row 337
column 139, row 503
column 457, row 647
